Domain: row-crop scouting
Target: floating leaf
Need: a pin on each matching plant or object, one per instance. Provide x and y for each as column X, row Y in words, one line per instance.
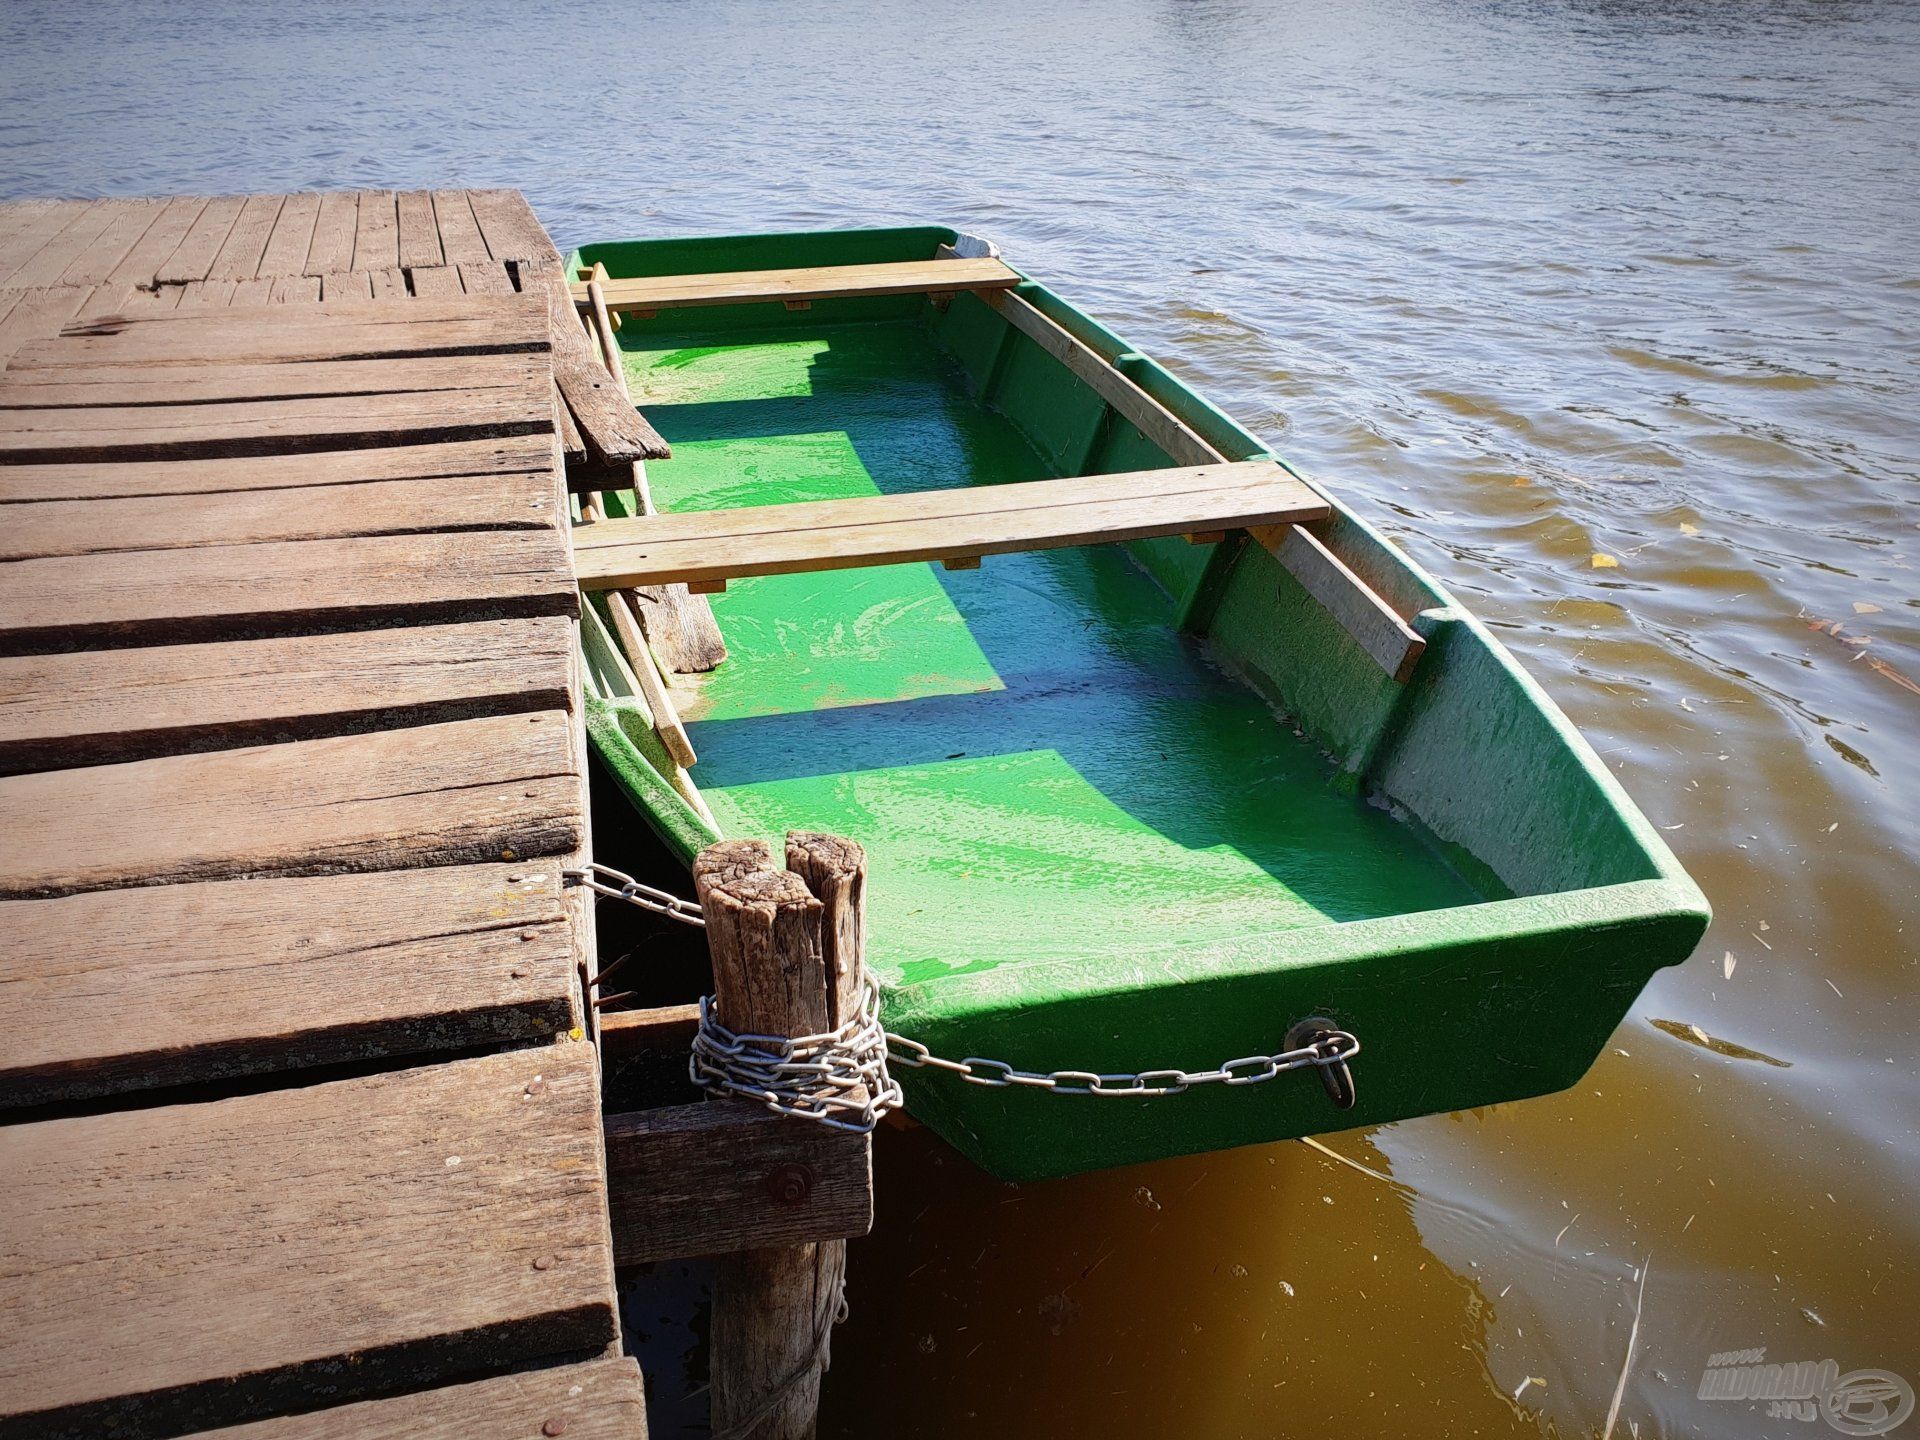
column 1903, row 681
column 1603, row 561
column 1728, row 964
column 1688, row 529
column 1865, row 607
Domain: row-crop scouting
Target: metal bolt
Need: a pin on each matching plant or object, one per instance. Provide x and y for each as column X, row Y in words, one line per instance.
column 556, row 1426
column 790, row 1184
column 545, row 1262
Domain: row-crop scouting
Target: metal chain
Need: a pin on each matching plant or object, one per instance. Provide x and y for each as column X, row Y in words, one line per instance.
column 1332, row 1048
column 618, row 885
column 839, row 1078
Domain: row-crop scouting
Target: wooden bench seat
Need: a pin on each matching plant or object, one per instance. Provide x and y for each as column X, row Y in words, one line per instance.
column 705, row 549
column 824, row 282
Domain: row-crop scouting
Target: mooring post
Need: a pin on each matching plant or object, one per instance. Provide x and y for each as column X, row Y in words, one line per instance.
column 788, row 959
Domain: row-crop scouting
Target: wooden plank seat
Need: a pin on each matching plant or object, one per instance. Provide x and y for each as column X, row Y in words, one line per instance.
column 176, row 1268
column 823, row 282
column 704, row 549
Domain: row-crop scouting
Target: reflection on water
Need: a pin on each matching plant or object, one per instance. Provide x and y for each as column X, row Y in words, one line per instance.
column 1529, row 282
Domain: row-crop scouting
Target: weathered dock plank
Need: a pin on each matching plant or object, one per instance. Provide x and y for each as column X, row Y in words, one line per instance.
column 239, row 257
column 141, row 263
column 331, row 249
column 109, row 384
column 197, row 1265
column 35, row 224
column 83, row 434
column 419, row 241
column 126, row 223
column 98, row 707
column 376, row 238
column 390, row 507
column 522, row 455
column 287, row 245
column 460, row 793
column 511, row 229
column 194, row 256
column 342, row 330
column 460, row 238
column 187, row 983
column 600, row 1400
column 65, row 602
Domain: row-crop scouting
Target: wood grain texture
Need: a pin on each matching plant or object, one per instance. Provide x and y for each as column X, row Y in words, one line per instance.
column 194, row 256
column 645, row 668
column 460, row 793
column 484, row 277
column 419, row 232
column 748, row 287
column 240, row 252
column 600, row 1400
column 347, row 285
column 336, row 330
column 192, row 430
column 186, row 983
column 287, row 245
column 387, row 507
column 677, row 624
column 296, row 290
column 47, row 266
column 33, row 225
column 773, row 1306
column 512, row 231
column 427, row 1223
column 512, row 454
column 331, row 249
column 460, row 238
column 435, row 280
column 725, row 1175
column 616, row 433
column 106, row 385
column 68, row 602
column 95, row 261
column 141, row 264
column 96, row 707
column 376, row 236
column 36, row 315
column 1394, row 645
column 717, row 545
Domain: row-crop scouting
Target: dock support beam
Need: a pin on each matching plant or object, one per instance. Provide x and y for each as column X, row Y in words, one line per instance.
column 788, row 959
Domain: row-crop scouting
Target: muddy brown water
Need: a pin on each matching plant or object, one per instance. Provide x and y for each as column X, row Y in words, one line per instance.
column 1531, row 284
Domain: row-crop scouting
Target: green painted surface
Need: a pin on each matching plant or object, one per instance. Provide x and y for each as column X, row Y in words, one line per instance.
column 1126, row 807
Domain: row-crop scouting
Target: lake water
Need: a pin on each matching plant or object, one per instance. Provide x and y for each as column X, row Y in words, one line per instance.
column 1528, row 283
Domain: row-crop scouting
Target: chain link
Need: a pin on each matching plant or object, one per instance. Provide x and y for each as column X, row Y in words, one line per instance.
column 618, row 885
column 840, row 1079
column 1332, row 1048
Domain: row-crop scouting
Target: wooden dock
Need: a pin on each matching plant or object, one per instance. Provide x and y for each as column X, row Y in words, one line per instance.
column 300, row 1104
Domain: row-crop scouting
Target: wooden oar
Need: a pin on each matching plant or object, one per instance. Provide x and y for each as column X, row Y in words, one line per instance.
column 678, row 623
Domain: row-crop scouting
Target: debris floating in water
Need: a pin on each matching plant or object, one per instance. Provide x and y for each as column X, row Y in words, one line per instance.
column 1604, row 561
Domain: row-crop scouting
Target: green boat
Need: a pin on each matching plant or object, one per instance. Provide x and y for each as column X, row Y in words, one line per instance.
column 1131, row 808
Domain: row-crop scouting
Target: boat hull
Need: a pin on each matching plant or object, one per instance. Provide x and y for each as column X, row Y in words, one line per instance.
column 1132, row 807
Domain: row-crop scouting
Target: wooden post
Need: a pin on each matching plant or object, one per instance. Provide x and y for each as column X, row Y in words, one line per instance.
column 788, row 959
